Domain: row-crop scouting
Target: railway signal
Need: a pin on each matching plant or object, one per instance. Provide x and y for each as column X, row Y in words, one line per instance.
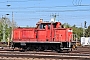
column 85, row 24
column 84, row 28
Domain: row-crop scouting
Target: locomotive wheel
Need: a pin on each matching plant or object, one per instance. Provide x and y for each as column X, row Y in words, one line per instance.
column 28, row 48
column 58, row 50
column 68, row 50
column 23, row 50
column 38, row 49
column 42, row 49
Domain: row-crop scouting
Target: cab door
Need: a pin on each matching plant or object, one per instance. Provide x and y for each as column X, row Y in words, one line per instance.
column 41, row 33
column 48, row 34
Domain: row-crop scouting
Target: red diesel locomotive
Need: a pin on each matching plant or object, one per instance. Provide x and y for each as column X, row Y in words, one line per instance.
column 46, row 36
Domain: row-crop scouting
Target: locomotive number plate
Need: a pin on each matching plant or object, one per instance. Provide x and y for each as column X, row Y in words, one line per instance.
column 23, row 44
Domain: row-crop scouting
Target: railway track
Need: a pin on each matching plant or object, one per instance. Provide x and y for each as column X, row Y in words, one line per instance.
column 84, row 50
column 32, row 55
column 45, row 53
column 49, row 55
column 62, row 56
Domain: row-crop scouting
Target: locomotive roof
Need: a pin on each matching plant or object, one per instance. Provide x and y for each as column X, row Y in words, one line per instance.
column 26, row 27
column 45, row 23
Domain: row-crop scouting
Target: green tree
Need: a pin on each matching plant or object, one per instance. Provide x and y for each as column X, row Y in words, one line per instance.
column 87, row 31
column 66, row 25
column 78, row 31
column 8, row 27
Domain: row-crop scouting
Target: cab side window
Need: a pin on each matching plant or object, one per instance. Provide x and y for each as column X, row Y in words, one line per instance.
column 54, row 25
column 42, row 26
column 48, row 26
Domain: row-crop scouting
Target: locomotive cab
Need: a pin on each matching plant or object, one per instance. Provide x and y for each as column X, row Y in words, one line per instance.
column 44, row 25
column 55, row 33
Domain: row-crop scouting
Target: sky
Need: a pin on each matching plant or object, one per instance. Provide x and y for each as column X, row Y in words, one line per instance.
column 28, row 12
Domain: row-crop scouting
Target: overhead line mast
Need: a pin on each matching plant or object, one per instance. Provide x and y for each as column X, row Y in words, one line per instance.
column 54, row 17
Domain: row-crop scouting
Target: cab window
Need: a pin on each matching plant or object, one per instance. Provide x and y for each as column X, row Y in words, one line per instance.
column 49, row 26
column 54, row 25
column 42, row 26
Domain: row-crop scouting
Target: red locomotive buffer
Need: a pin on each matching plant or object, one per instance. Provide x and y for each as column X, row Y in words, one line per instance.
column 46, row 36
